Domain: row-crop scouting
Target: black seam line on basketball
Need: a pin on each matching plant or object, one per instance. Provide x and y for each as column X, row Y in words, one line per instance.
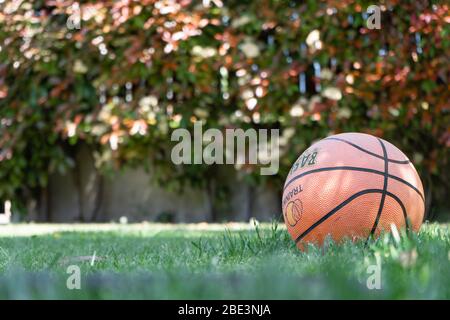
column 348, row 168
column 367, row 151
column 400, row 202
column 343, row 204
column 334, row 210
column 385, row 183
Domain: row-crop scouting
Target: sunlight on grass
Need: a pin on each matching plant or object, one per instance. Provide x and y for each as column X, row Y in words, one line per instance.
column 33, row 229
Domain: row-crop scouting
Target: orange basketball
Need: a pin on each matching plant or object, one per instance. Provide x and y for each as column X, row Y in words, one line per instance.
column 351, row 185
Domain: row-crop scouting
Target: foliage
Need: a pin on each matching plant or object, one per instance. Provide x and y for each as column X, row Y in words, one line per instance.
column 131, row 71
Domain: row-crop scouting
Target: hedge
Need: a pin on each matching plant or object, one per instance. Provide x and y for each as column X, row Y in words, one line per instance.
column 127, row 74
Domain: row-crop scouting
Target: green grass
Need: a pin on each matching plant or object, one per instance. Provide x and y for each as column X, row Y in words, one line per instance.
column 181, row 262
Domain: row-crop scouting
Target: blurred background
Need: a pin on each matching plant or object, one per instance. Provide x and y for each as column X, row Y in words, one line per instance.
column 90, row 92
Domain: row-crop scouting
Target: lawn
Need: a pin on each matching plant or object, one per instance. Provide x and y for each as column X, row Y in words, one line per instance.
column 201, row 261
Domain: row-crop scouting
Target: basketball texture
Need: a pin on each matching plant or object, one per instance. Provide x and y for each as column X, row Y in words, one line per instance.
column 351, row 185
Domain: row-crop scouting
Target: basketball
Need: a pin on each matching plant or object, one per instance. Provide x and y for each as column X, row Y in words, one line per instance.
column 351, row 185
